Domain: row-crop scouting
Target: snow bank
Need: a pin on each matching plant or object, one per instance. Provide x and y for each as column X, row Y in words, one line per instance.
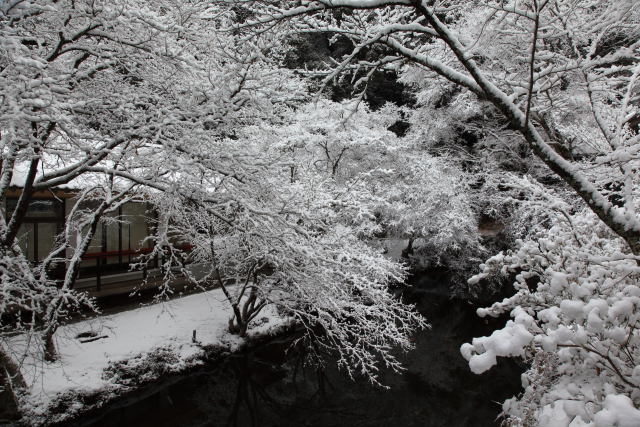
column 129, row 338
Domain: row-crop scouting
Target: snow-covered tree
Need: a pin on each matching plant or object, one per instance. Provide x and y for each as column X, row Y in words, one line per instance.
column 582, row 51
column 267, row 239
column 556, row 78
column 94, row 95
column 146, row 101
column 67, row 73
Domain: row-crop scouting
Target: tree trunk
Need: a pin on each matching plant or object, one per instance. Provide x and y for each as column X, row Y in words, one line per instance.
column 9, row 404
column 239, row 323
column 50, row 352
column 16, row 380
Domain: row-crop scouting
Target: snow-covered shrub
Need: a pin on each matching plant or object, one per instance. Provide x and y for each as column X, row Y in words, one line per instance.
column 143, row 368
column 574, row 318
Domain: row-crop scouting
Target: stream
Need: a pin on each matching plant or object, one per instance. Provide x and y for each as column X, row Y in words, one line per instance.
column 268, row 386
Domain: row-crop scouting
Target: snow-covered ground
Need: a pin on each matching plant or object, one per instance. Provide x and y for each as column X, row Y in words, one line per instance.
column 129, row 339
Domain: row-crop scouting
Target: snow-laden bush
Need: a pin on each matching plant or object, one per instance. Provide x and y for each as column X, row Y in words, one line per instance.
column 574, row 318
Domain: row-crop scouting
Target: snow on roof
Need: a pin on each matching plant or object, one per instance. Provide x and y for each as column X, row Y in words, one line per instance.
column 49, row 164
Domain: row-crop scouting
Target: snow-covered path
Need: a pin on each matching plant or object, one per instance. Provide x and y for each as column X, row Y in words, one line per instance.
column 134, row 336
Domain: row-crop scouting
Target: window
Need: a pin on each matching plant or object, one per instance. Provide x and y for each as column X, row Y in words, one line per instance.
column 43, row 221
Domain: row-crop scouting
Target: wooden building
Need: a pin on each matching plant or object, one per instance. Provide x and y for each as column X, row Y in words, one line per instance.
column 118, row 242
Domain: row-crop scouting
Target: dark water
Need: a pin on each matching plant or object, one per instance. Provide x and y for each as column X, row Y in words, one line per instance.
column 270, row 387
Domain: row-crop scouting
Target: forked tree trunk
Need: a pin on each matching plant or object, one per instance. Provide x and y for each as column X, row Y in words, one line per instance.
column 239, row 323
